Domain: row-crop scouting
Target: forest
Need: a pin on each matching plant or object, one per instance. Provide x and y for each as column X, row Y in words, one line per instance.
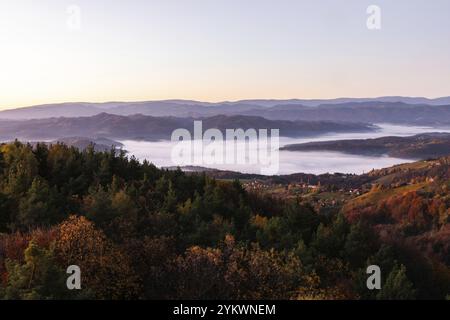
column 139, row 232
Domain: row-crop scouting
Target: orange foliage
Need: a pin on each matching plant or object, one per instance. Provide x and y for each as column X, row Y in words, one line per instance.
column 105, row 269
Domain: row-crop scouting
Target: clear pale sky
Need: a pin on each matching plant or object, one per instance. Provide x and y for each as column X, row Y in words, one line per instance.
column 218, row 50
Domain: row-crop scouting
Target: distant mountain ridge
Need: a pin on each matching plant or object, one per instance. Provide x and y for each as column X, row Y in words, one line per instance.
column 141, row 127
column 384, row 109
column 371, row 112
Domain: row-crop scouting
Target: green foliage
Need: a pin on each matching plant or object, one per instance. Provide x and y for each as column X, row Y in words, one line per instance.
column 4, row 212
column 397, row 286
column 302, row 219
column 21, row 168
column 331, row 240
column 142, row 232
column 385, row 258
column 39, row 277
column 360, row 243
column 39, row 206
column 97, row 205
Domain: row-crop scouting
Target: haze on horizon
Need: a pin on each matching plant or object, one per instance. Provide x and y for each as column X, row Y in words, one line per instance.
column 221, row 50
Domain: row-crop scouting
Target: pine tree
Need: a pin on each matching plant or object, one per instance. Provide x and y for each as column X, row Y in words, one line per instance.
column 170, row 200
column 38, row 206
column 397, row 286
column 360, row 244
column 38, row 278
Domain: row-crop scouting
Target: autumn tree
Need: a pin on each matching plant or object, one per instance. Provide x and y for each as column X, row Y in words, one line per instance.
column 105, row 269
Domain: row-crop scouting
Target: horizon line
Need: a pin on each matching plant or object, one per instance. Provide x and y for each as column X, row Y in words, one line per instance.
column 221, row 101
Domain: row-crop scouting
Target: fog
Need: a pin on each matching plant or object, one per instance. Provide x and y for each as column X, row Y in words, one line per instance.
column 282, row 162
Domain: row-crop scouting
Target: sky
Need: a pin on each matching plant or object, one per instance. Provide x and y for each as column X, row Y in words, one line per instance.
column 216, row 50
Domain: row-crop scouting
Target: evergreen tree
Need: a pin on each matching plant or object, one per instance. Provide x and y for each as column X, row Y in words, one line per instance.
column 360, row 244
column 98, row 207
column 302, row 220
column 38, row 278
column 397, row 286
column 39, row 207
column 170, row 200
column 5, row 218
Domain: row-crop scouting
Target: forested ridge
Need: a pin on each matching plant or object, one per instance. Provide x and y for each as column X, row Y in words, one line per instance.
column 138, row 232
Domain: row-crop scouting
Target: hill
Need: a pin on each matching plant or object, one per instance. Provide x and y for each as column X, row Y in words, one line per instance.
column 369, row 112
column 422, row 146
column 140, row 127
column 401, row 110
column 159, row 233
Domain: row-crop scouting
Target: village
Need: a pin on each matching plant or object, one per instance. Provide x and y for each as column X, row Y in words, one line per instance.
column 322, row 197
